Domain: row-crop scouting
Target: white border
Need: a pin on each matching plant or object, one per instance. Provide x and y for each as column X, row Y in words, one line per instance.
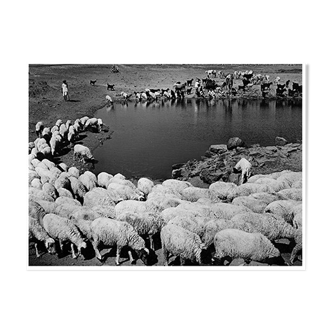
column 168, row 268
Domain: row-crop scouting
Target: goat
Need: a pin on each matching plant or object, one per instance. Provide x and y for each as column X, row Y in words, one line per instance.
column 110, row 87
column 93, row 82
column 190, row 82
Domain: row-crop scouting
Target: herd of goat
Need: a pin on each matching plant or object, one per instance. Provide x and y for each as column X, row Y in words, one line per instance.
column 209, row 88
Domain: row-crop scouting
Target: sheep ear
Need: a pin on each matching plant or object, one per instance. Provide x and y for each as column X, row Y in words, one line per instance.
column 147, row 250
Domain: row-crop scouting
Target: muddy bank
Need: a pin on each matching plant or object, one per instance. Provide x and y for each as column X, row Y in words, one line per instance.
column 218, row 162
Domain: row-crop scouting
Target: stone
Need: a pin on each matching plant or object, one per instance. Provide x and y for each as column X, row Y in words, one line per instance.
column 234, row 142
column 177, row 166
column 209, row 176
column 280, row 141
column 271, row 148
column 176, row 173
column 218, row 148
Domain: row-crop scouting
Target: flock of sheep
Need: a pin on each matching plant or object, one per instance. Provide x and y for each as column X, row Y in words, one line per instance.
column 198, row 225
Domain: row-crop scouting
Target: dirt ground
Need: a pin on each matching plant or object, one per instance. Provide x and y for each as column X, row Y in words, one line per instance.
column 46, row 104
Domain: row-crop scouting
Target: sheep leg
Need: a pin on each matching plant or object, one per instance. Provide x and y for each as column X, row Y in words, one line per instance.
column 151, row 242
column 61, row 246
column 97, row 252
column 165, row 254
column 117, row 258
column 182, row 261
column 73, row 251
column 295, row 250
column 131, row 257
column 36, row 247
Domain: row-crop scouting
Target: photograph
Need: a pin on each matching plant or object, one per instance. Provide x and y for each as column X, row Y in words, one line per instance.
column 160, row 165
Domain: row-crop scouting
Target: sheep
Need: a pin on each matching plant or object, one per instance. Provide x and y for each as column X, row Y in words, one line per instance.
column 173, row 212
column 62, row 192
column 131, row 206
column 63, row 229
column 100, row 196
column 245, row 167
column 145, row 185
column 297, row 212
column 33, row 175
column 159, row 189
column 253, row 204
column 292, row 194
column 125, row 192
column 235, row 243
column 119, row 176
column 39, row 128
column 54, row 143
column 158, row 202
column 83, row 120
column 290, row 177
column 63, row 131
column 109, row 99
column 67, row 200
column 68, row 123
column 82, row 152
column 271, row 226
column 36, row 210
column 54, row 129
column 36, row 194
column 282, row 208
column 77, row 188
column 53, row 175
column 105, row 211
column 49, row 207
column 200, row 209
column 190, row 223
column 73, row 171
column 103, row 179
column 35, row 162
column 178, row 241
column 63, row 167
column 113, row 232
column 71, row 134
column 58, row 122
column 249, row 188
column 220, row 190
column 62, row 182
column 35, row 183
column 119, row 180
column 265, row 197
column 276, row 185
column 176, row 186
column 298, row 245
column 193, row 194
column 226, row 211
column 145, row 224
column 212, row 227
column 46, row 134
column 38, row 234
column 49, row 189
column 88, row 181
column 49, row 164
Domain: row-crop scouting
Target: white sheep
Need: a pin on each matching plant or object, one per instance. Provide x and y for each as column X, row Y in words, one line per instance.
column 292, row 194
column 125, row 192
column 178, row 241
column 160, row 190
column 103, row 179
column 130, row 206
column 146, row 224
column 73, row 171
column 105, row 211
column 221, row 190
column 251, row 203
column 63, row 131
column 49, row 164
column 33, row 175
column 36, row 194
column 77, row 188
column 82, row 151
column 48, row 207
column 87, row 180
column 83, row 120
column 62, row 182
column 247, row 189
column 265, row 197
column 226, row 211
column 62, row 192
column 68, row 123
column 35, row 183
column 37, row 233
column 271, row 226
column 245, row 167
column 36, row 210
column 193, row 224
column 298, row 245
column 274, row 184
column 282, row 208
column 100, row 196
column 112, row 232
column 49, row 189
column 63, row 167
column 176, row 186
column 145, row 185
column 39, row 128
column 58, row 123
column 212, row 227
column 67, row 200
column 54, row 129
column 63, row 229
column 193, row 194
column 54, row 143
column 235, row 243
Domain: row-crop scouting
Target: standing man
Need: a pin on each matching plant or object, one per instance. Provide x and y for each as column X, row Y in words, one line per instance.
column 64, row 88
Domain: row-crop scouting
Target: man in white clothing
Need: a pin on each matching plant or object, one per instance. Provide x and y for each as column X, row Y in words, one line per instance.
column 245, row 167
column 64, row 88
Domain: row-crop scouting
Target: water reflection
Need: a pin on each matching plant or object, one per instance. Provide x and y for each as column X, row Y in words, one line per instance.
column 149, row 137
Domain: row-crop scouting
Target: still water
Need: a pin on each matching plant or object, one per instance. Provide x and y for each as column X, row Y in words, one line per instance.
column 149, row 138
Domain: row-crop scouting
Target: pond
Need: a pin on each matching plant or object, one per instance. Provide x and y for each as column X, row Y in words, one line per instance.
column 149, row 138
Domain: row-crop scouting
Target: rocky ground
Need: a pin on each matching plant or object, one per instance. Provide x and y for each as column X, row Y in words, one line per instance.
column 219, row 160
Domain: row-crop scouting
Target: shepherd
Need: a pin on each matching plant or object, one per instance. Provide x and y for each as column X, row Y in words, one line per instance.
column 64, row 88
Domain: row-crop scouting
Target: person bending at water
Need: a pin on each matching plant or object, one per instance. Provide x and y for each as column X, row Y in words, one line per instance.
column 245, row 167
column 64, row 88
